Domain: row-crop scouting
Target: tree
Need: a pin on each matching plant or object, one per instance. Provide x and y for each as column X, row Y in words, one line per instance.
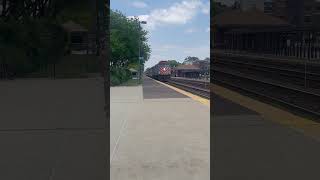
column 236, row 5
column 190, row 60
column 207, row 59
column 125, row 36
column 29, row 45
column 173, row 63
column 32, row 29
column 218, row 7
column 20, row 10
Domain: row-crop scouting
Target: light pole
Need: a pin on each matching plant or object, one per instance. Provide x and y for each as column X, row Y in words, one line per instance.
column 140, row 22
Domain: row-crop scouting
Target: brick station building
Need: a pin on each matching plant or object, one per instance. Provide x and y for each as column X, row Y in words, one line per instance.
column 187, row 71
column 256, row 32
column 247, row 30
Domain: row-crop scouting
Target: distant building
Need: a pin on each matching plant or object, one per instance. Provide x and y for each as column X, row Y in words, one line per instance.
column 241, row 30
column 77, row 37
column 188, row 62
column 280, row 9
column 134, row 73
column 204, row 67
column 301, row 13
column 187, row 71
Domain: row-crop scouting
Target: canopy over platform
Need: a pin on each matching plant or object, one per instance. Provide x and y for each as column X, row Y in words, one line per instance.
column 252, row 18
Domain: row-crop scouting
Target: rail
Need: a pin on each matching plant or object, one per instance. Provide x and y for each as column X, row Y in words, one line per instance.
column 294, row 98
column 200, row 88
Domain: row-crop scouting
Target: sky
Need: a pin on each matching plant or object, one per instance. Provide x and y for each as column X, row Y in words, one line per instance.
column 177, row 28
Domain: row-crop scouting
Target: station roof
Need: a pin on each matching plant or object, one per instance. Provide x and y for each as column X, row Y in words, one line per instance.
column 187, row 67
column 250, row 18
column 202, row 61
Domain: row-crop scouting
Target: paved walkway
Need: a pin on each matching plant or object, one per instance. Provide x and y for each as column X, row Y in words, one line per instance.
column 250, row 146
column 158, row 136
column 52, row 130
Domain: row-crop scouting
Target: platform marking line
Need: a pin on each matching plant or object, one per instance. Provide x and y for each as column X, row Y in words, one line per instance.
column 306, row 126
column 124, row 126
column 192, row 96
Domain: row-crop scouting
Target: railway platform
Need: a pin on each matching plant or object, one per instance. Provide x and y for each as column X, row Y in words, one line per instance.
column 158, row 133
column 52, row 129
column 253, row 140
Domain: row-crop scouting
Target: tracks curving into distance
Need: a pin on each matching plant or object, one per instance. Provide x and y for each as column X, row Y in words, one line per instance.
column 283, row 86
column 194, row 86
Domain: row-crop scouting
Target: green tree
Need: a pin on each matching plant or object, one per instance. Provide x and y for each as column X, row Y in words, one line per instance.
column 31, row 34
column 125, row 38
column 173, row 63
column 190, row 59
column 218, row 7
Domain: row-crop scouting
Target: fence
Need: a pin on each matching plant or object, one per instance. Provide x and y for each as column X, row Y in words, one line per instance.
column 299, row 44
column 71, row 66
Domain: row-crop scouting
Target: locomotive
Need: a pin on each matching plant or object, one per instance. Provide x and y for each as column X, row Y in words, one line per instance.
column 160, row 71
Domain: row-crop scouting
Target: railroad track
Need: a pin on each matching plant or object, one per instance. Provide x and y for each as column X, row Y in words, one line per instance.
column 294, row 98
column 288, row 75
column 200, row 88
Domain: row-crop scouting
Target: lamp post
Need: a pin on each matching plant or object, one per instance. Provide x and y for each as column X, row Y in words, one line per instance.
column 140, row 58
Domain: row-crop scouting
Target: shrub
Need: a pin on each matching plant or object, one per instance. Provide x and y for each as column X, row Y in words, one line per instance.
column 119, row 76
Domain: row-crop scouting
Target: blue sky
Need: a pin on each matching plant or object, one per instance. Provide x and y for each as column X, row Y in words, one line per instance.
column 177, row 28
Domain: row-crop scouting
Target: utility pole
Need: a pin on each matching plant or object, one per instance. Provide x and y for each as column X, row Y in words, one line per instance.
column 139, row 61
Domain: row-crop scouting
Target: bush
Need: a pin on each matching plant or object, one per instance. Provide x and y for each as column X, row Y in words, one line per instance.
column 119, row 76
column 114, row 81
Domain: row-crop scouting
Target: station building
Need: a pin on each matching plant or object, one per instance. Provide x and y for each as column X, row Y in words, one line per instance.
column 204, row 67
column 256, row 32
column 187, row 71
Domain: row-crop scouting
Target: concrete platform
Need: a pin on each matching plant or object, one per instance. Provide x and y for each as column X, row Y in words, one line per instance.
column 224, row 107
column 154, row 90
column 53, row 130
column 247, row 146
column 160, row 138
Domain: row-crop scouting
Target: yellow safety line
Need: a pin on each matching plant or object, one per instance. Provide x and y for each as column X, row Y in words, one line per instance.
column 192, row 96
column 307, row 126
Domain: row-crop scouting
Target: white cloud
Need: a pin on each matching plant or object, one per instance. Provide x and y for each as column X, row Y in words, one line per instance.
column 139, row 4
column 177, row 52
column 176, row 14
column 140, row 17
column 208, row 29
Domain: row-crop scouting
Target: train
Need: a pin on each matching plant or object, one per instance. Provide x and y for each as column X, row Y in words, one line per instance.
column 161, row 71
